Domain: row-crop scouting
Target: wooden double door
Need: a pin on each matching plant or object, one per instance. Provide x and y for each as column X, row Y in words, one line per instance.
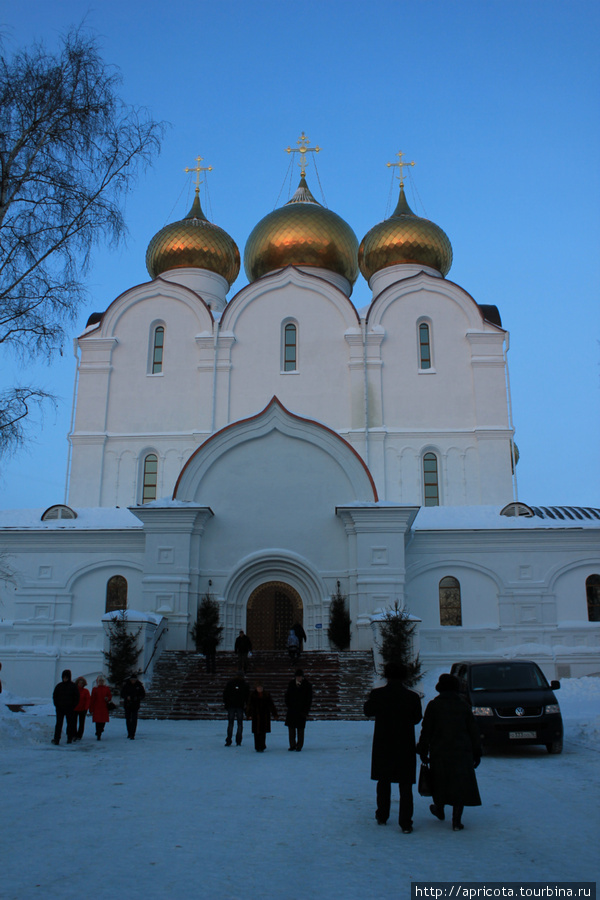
column 271, row 611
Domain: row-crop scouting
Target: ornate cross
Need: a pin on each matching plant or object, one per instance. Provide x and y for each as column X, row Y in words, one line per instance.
column 400, row 165
column 197, row 169
column 303, row 150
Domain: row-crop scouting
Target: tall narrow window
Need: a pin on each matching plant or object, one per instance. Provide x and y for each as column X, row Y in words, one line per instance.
column 592, row 589
column 116, row 593
column 431, row 493
column 450, row 605
column 424, row 346
column 158, row 349
column 150, row 478
column 290, row 348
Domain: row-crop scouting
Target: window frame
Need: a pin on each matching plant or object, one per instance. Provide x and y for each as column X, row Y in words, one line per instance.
column 426, row 457
column 430, row 369
column 592, row 593
column 452, row 609
column 119, row 588
column 285, row 325
column 155, row 328
column 144, row 473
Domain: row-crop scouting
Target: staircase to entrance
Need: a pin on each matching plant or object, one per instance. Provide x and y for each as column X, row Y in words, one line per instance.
column 181, row 688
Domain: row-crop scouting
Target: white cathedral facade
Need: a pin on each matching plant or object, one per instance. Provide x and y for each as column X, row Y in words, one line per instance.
column 267, row 448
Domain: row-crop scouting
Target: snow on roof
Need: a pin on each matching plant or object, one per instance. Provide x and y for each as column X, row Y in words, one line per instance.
column 429, row 518
column 480, row 518
column 88, row 519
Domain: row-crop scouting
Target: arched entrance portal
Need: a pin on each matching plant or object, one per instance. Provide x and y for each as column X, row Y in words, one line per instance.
column 272, row 610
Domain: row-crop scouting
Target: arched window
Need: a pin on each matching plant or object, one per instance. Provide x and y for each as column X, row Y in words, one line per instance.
column 431, row 492
column 158, row 346
column 592, row 589
column 59, row 511
column 150, row 478
column 450, row 605
column 116, row 593
column 424, row 346
column 290, row 347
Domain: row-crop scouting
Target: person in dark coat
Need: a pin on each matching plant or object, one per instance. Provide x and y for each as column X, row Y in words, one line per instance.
column 396, row 710
column 65, row 699
column 132, row 694
column 101, row 697
column 82, row 707
column 298, row 699
column 243, row 646
column 451, row 744
column 300, row 634
column 235, row 697
column 260, row 709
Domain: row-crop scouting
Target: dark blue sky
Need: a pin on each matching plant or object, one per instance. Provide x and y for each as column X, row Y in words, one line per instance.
column 496, row 101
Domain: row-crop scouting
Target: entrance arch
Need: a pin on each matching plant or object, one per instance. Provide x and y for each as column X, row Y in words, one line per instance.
column 272, row 609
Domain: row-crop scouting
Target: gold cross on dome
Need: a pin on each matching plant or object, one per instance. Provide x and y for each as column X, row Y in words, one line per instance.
column 400, row 165
column 303, row 149
column 197, row 169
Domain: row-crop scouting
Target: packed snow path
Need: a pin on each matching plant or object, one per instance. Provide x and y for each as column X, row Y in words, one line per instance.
column 175, row 814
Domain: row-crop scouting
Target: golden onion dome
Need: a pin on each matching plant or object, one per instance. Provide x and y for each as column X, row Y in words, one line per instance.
column 193, row 242
column 404, row 238
column 302, row 233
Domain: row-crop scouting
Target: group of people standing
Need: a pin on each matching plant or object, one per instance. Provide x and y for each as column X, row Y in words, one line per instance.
column 449, row 745
column 73, row 702
column 259, row 707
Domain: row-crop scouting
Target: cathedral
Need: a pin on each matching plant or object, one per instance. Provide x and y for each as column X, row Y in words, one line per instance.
column 278, row 446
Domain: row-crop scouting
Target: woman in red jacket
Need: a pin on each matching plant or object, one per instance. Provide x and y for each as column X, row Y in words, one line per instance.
column 82, row 707
column 101, row 697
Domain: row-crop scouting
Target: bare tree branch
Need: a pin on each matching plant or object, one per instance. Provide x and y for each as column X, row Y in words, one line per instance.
column 70, row 150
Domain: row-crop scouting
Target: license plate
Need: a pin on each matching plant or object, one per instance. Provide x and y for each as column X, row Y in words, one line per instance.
column 515, row 735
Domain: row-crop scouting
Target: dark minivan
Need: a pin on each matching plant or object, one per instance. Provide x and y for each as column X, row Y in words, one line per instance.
column 512, row 702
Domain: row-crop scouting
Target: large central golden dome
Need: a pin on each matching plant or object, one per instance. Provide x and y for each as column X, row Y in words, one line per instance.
column 193, row 242
column 302, row 233
column 404, row 238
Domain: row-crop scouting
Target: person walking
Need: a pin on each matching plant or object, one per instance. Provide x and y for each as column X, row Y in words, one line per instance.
column 298, row 699
column 235, row 697
column 300, row 634
column 293, row 645
column 451, row 744
column 396, row 711
column 260, row 709
column 243, row 646
column 65, row 698
column 132, row 694
column 101, row 697
column 82, row 707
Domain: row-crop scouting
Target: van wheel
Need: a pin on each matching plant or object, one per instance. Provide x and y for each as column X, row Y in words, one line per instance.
column 555, row 746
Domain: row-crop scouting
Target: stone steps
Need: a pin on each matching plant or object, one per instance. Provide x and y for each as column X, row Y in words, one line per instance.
column 181, row 688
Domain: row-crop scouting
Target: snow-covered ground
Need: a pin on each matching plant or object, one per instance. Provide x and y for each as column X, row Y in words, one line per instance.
column 174, row 814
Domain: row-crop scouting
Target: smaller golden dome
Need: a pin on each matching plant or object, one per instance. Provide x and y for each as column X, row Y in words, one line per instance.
column 302, row 233
column 404, row 238
column 193, row 242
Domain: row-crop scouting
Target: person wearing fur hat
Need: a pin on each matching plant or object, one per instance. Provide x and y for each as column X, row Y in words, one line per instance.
column 65, row 699
column 83, row 705
column 451, row 744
